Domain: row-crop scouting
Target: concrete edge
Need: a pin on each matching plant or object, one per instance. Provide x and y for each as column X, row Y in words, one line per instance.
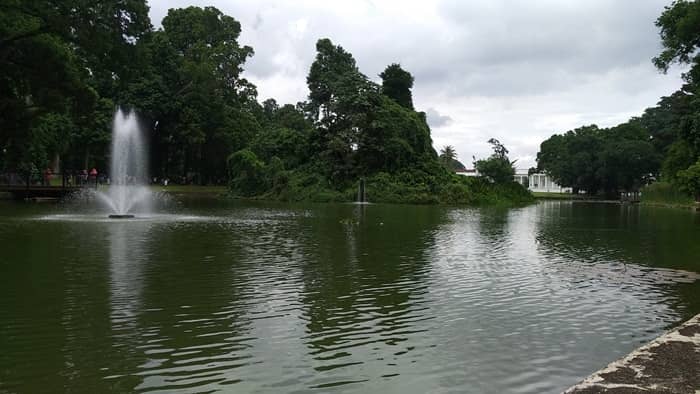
column 668, row 364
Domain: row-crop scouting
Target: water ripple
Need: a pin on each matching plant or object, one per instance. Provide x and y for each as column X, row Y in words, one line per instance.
column 328, row 299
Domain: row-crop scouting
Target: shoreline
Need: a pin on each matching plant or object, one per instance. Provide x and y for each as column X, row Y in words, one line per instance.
column 690, row 206
column 668, row 364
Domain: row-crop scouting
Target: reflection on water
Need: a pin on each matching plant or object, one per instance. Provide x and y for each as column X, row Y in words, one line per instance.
column 346, row 298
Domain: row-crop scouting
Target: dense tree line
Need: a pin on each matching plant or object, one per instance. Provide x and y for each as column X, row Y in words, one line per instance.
column 61, row 66
column 663, row 143
column 349, row 129
column 67, row 65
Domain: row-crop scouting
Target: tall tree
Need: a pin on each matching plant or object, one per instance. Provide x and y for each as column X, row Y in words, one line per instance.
column 680, row 36
column 397, row 84
column 448, row 158
column 332, row 67
column 193, row 94
column 59, row 58
column 498, row 168
column 448, row 153
column 679, row 28
column 611, row 160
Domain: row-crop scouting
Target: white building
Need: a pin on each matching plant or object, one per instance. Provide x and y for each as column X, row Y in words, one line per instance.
column 467, row 173
column 539, row 182
column 536, row 182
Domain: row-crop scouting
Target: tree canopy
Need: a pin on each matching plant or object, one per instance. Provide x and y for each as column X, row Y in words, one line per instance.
column 67, row 65
column 397, row 84
column 497, row 168
column 660, row 144
column 61, row 63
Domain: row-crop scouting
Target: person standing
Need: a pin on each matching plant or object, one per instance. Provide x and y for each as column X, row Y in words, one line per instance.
column 93, row 176
column 47, row 176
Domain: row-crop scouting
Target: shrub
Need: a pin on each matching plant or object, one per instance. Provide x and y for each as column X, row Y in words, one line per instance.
column 247, row 173
column 497, row 169
column 689, row 180
column 665, row 192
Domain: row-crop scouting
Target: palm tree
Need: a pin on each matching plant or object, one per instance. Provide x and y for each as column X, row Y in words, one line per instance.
column 447, row 154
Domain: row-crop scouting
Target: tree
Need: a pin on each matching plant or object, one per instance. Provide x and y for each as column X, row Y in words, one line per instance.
column 663, row 121
column 358, row 130
column 689, row 180
column 680, row 36
column 193, row 95
column 498, row 168
column 397, row 84
column 247, row 173
column 679, row 28
column 448, row 158
column 448, row 153
column 59, row 59
column 627, row 160
column 331, row 67
column 593, row 159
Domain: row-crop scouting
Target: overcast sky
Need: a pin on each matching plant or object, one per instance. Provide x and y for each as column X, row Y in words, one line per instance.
column 518, row 71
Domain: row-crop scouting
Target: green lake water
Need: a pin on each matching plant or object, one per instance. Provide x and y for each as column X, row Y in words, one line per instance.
column 240, row 297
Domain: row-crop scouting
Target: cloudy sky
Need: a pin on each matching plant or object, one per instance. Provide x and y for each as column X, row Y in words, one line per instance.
column 518, row 71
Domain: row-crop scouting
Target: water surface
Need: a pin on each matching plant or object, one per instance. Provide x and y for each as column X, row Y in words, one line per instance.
column 240, row 297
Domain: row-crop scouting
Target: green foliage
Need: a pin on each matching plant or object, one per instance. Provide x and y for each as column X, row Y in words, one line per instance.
column 358, row 130
column 67, row 65
column 332, row 67
column 192, row 94
column 448, row 158
column 397, row 84
column 497, row 168
column 247, row 173
column 680, row 36
column 354, row 129
column 665, row 193
column 60, row 60
column 504, row 194
column 592, row 159
column 447, row 154
column 664, row 141
column 689, row 180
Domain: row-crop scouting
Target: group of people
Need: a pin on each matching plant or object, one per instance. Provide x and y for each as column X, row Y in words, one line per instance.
column 83, row 177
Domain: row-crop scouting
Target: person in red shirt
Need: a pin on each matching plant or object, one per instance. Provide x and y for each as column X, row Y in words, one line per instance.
column 47, row 177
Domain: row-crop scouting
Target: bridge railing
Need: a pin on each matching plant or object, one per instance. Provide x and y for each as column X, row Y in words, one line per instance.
column 64, row 179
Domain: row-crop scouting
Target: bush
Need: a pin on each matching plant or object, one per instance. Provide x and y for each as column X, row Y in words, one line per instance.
column 252, row 178
column 689, row 180
column 666, row 193
column 497, row 169
column 247, row 174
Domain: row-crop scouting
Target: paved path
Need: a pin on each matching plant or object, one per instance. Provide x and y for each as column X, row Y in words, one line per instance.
column 668, row 364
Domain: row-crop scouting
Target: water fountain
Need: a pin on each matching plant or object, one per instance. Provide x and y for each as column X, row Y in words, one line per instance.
column 128, row 191
column 361, row 194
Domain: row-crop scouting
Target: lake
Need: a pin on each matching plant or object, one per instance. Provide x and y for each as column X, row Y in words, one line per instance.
column 258, row 297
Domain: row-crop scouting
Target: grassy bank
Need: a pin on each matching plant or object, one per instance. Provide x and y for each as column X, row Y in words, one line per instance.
column 407, row 187
column 665, row 194
column 559, row 196
column 191, row 189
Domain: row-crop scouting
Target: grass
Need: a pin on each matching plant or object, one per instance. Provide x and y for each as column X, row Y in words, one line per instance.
column 558, row 196
column 666, row 194
column 191, row 189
